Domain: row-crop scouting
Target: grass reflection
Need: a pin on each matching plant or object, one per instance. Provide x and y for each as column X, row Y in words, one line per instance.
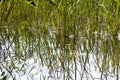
column 71, row 40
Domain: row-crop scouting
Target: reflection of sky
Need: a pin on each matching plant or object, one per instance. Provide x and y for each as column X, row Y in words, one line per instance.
column 119, row 36
column 34, row 71
column 38, row 72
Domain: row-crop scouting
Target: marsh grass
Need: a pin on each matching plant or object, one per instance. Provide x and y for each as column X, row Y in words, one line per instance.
column 63, row 35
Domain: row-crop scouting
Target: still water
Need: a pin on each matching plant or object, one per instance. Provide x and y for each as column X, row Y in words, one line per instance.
column 91, row 59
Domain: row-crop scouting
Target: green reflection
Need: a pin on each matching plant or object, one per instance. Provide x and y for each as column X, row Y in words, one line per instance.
column 65, row 38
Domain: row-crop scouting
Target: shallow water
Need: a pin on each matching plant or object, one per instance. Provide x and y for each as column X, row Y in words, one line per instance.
column 87, row 61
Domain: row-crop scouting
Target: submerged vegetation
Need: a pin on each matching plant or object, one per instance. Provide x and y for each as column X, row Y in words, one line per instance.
column 62, row 35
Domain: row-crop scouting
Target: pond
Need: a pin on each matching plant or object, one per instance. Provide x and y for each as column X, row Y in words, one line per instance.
column 59, row 40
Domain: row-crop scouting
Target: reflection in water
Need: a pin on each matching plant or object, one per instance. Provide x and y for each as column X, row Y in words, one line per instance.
column 119, row 36
column 95, row 57
column 71, row 40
